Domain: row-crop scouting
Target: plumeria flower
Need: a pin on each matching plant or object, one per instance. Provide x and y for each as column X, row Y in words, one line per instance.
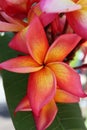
column 46, row 67
column 76, row 12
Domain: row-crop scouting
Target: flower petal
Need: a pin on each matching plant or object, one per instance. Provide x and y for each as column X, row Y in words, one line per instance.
column 21, row 64
column 19, row 42
column 46, row 116
column 53, row 6
column 14, row 8
column 61, row 47
column 65, row 97
column 24, row 105
column 6, row 27
column 78, row 21
column 35, row 10
column 45, row 18
column 41, row 88
column 58, row 25
column 16, row 21
column 67, row 78
column 36, row 40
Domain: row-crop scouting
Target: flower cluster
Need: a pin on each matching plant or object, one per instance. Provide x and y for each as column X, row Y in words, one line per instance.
column 47, row 32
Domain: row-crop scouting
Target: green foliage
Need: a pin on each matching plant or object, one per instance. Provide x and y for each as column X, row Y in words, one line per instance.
column 15, row 85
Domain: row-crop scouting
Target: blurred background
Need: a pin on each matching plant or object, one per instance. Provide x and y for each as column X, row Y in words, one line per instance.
column 5, row 120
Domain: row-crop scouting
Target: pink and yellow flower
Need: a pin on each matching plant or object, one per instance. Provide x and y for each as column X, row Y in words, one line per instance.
column 75, row 10
column 50, row 80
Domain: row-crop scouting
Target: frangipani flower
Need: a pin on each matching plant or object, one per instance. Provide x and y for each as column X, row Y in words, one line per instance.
column 46, row 67
column 76, row 12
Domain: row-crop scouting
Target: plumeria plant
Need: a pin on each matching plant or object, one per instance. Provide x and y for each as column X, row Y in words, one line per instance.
column 46, row 34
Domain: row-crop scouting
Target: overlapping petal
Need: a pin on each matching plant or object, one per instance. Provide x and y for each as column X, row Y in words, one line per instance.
column 13, row 7
column 35, row 10
column 61, row 47
column 46, row 116
column 76, row 12
column 5, row 27
column 67, row 78
column 41, row 88
column 24, row 105
column 36, row 41
column 10, row 19
column 19, row 42
column 65, row 97
column 45, row 18
column 21, row 64
column 78, row 21
column 53, row 6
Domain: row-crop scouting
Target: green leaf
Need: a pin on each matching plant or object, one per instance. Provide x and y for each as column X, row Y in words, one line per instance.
column 15, row 85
